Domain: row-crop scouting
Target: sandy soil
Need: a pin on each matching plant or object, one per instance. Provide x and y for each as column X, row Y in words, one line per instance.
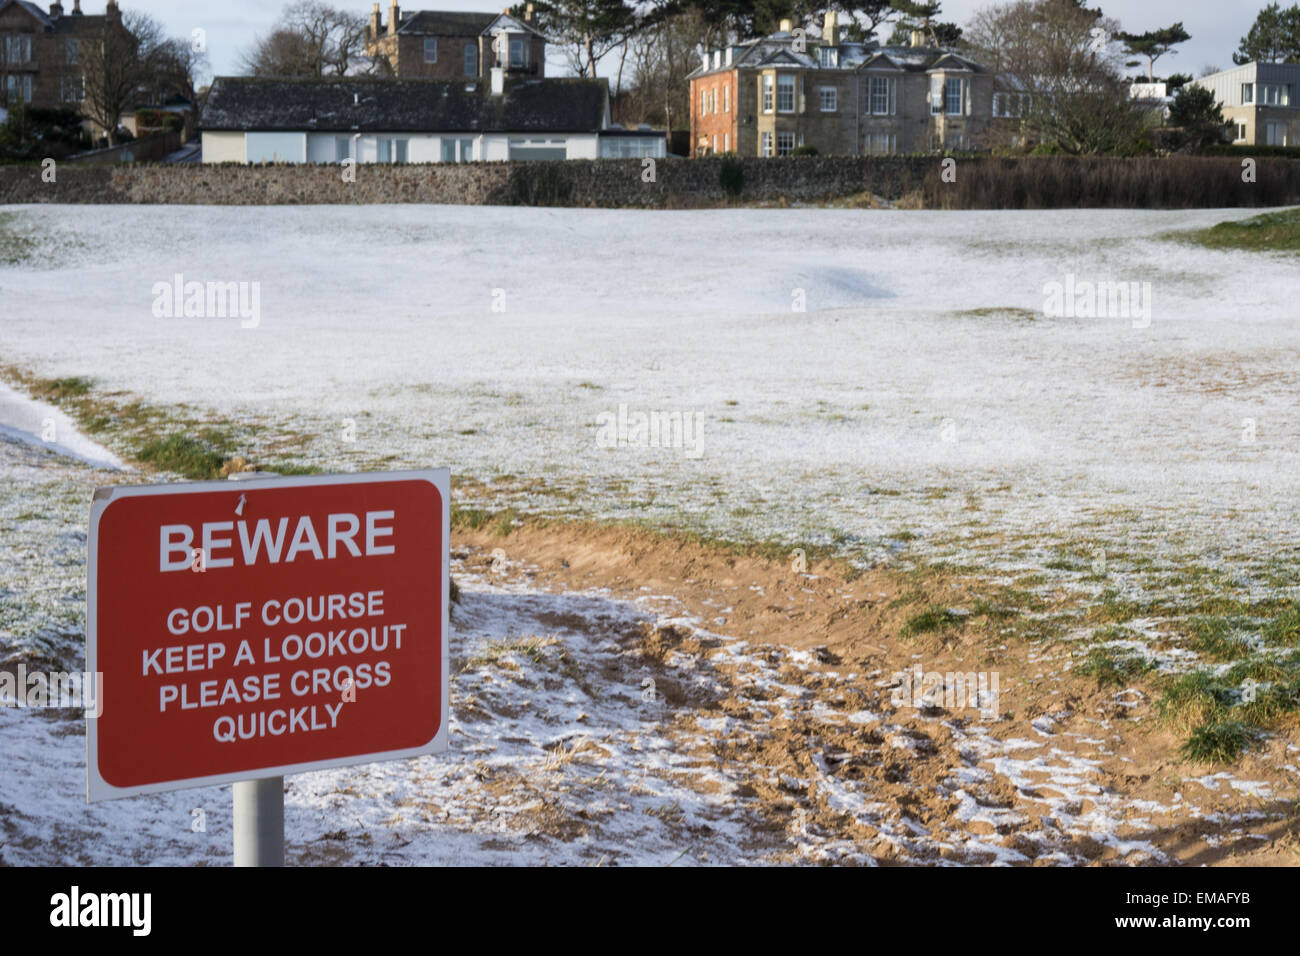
column 1064, row 773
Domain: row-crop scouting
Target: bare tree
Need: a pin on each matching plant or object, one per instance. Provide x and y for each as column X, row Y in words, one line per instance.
column 116, row 63
column 1066, row 60
column 663, row 53
column 311, row 39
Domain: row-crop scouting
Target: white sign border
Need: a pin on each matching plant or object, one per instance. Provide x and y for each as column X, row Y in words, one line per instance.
column 99, row 789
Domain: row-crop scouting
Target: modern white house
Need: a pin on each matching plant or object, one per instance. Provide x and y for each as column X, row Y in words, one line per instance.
column 1260, row 101
column 283, row 120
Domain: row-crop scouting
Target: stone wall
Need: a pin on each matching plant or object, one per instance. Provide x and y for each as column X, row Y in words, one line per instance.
column 603, row 183
column 678, row 183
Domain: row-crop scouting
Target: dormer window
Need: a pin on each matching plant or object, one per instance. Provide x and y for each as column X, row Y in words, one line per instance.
column 516, row 52
column 827, row 57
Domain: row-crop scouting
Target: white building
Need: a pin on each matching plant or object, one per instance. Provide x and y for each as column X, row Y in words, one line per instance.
column 264, row 120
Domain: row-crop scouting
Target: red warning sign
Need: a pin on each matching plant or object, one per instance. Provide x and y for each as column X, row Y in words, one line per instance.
column 265, row 627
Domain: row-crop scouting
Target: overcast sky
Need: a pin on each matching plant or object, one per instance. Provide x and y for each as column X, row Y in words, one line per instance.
column 1216, row 26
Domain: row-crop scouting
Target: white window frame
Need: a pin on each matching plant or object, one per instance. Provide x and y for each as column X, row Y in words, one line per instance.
column 726, row 98
column 948, row 96
column 875, row 84
column 1247, row 94
column 72, row 88
column 937, row 88
column 765, row 140
column 1239, row 132
column 786, row 138
column 18, row 88
column 767, row 95
column 394, row 146
column 704, row 102
column 786, row 83
column 430, row 43
column 828, row 99
column 726, row 142
column 1276, row 134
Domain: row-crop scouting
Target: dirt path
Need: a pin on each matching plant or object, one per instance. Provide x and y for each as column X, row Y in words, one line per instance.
column 789, row 685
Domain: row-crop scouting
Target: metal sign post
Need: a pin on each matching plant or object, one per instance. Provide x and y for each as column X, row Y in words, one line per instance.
column 259, row 822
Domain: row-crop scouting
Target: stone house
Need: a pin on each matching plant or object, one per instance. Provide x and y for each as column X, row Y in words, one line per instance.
column 770, row 95
column 435, row 44
column 1260, row 101
column 41, row 52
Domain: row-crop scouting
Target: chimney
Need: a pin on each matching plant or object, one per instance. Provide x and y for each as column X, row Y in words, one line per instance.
column 498, row 81
column 112, row 12
column 528, row 13
column 705, row 65
column 786, row 25
column 394, row 18
column 76, row 8
column 376, row 22
column 918, row 38
column 830, row 29
column 56, row 9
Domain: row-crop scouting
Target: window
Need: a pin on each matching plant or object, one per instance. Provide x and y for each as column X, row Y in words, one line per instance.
column 18, row 88
column 726, row 142
column 1008, row 105
column 457, row 150
column 17, row 48
column 631, row 147
column 1273, row 94
column 936, row 95
column 726, row 99
column 1275, row 134
column 342, row 148
column 827, row 57
column 1247, row 93
column 715, row 142
column 784, row 144
column 768, row 83
column 1240, row 134
column 71, row 51
column 953, row 98
column 72, row 89
column 880, row 144
column 882, row 100
column 516, row 52
column 430, row 49
column 829, row 97
column 393, row 150
column 704, row 102
column 471, row 59
column 765, row 141
column 785, row 94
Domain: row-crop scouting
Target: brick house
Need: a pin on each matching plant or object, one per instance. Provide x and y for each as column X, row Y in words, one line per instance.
column 770, row 95
column 1260, row 101
column 435, row 44
column 40, row 52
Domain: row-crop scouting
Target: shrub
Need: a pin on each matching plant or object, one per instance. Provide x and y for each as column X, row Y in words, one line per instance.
column 731, row 175
column 804, row 151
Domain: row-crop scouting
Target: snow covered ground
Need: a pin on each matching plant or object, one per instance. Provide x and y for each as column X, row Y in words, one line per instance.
column 923, row 390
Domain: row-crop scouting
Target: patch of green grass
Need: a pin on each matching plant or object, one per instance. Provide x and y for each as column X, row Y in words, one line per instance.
column 1283, row 629
column 1192, row 700
column 291, row 468
column 933, row 618
column 1010, row 312
column 1113, row 609
column 1219, row 742
column 1215, row 637
column 59, row 388
column 1271, row 232
column 14, row 248
column 196, row 458
column 1112, row 666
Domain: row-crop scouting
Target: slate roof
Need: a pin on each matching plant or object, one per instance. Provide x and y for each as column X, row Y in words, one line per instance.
column 350, row 104
column 70, row 24
column 445, row 23
column 775, row 50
